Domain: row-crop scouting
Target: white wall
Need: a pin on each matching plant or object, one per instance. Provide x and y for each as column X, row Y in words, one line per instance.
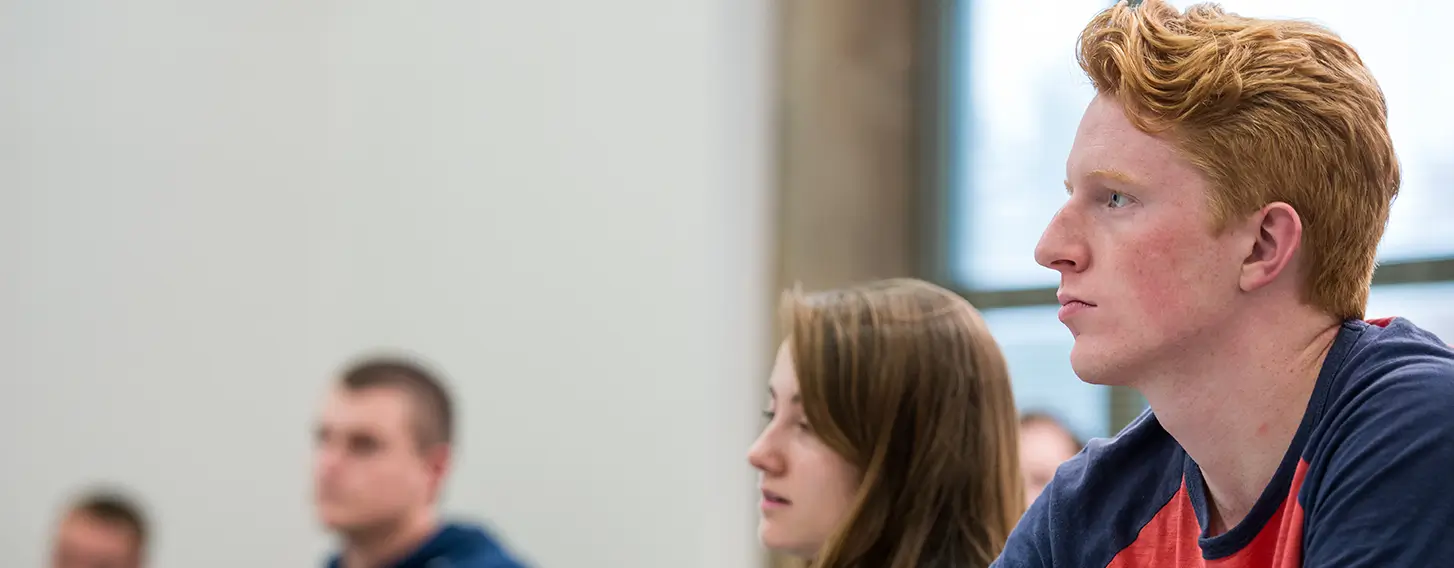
column 206, row 207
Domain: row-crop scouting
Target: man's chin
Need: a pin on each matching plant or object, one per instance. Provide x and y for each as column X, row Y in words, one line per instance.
column 332, row 523
column 338, row 520
column 1093, row 365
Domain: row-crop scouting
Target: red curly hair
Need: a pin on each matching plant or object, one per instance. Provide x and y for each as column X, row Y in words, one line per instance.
column 1270, row 111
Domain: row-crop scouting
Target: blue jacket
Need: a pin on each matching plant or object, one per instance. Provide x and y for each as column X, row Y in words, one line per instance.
column 455, row 546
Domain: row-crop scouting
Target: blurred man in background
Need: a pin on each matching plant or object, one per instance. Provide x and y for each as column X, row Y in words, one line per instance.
column 1045, row 443
column 101, row 530
column 383, row 451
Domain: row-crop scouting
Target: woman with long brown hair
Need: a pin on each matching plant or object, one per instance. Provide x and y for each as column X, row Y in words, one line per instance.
column 891, row 434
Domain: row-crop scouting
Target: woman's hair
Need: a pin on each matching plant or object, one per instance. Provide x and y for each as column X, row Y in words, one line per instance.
column 902, row 379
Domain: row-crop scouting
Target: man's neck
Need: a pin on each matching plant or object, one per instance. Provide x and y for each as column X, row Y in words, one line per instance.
column 1235, row 403
column 381, row 547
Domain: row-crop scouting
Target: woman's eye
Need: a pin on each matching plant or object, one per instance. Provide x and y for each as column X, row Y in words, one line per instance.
column 769, row 416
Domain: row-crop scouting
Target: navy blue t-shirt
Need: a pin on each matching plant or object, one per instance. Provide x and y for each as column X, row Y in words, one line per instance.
column 1366, row 481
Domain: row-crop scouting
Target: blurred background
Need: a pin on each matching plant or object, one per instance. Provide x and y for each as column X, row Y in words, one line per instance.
column 581, row 211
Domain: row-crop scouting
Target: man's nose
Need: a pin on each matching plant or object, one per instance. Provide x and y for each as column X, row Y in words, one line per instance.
column 1061, row 245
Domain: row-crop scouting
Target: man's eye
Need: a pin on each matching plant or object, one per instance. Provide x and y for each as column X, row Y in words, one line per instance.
column 363, row 446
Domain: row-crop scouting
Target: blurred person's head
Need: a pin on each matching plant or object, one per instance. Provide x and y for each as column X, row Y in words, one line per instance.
column 1045, row 443
column 101, row 530
column 382, row 448
column 891, row 432
column 1231, row 172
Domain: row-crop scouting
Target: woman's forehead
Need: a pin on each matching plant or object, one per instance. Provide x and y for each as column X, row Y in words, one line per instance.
column 783, row 383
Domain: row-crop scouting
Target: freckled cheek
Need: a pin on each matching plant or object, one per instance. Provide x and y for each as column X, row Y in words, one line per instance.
column 1164, row 274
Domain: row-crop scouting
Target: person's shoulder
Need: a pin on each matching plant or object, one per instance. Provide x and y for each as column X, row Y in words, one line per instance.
column 468, row 545
column 496, row 558
column 1385, row 384
column 491, row 553
column 1397, row 338
column 1390, row 361
column 1380, row 450
column 1100, row 499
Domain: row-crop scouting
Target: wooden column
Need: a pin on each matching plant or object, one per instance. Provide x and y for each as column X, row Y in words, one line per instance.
column 852, row 79
column 856, row 80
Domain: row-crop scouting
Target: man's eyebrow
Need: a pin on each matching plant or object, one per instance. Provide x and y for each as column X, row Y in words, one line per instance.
column 1115, row 175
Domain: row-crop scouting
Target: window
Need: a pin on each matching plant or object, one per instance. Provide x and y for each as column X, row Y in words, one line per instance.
column 1037, row 349
column 1015, row 99
column 1425, row 303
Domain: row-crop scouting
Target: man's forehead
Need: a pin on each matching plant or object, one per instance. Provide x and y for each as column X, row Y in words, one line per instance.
column 83, row 525
column 1107, row 141
column 380, row 395
column 378, row 407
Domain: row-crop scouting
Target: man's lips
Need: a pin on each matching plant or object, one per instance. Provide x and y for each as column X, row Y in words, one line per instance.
column 1067, row 299
column 1071, row 305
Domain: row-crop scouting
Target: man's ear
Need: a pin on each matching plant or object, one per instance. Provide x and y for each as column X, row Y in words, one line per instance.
column 439, row 457
column 1278, row 234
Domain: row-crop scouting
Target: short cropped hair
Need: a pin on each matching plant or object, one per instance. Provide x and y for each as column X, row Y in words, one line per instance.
column 1269, row 111
column 433, row 408
column 115, row 509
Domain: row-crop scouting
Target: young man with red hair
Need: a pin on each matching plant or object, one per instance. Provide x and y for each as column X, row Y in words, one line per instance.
column 1228, row 188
